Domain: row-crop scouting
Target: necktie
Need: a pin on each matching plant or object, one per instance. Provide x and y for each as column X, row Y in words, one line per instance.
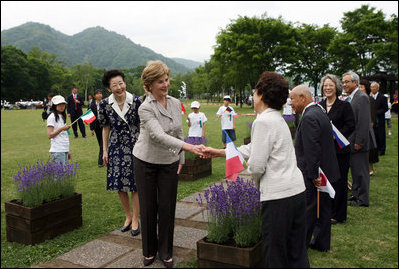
column 76, row 105
column 348, row 99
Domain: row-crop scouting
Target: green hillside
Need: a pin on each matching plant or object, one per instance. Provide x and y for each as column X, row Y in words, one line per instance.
column 105, row 49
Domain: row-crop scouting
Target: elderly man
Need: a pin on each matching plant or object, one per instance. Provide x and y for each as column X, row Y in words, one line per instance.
column 314, row 149
column 359, row 139
column 381, row 106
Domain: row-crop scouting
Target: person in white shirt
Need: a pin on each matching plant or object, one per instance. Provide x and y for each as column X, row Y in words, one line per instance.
column 388, row 115
column 196, row 121
column 273, row 166
column 57, row 131
column 227, row 113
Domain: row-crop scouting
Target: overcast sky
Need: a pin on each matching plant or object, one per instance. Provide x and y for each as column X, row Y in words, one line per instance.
column 174, row 29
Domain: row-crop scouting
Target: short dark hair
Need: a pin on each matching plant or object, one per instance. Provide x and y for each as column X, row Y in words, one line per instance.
column 273, row 88
column 111, row 74
column 98, row 91
column 366, row 84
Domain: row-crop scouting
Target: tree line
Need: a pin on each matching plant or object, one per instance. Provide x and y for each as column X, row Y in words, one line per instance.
column 367, row 44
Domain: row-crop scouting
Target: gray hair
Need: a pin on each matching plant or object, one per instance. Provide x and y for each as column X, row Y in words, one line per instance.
column 354, row 76
column 375, row 82
column 335, row 80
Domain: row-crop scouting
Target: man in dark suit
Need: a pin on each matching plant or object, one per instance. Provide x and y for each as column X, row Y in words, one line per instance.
column 359, row 139
column 381, row 106
column 74, row 109
column 95, row 126
column 314, row 149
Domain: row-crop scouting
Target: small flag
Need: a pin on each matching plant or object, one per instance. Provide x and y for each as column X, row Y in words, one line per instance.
column 234, row 159
column 325, row 184
column 88, row 117
column 69, row 133
column 395, row 102
column 339, row 137
column 183, row 110
column 229, row 109
column 237, row 115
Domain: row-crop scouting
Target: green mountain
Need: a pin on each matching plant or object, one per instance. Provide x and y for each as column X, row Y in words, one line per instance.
column 105, row 49
column 187, row 63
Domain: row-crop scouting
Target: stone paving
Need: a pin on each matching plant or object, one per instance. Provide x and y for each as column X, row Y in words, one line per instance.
column 121, row 250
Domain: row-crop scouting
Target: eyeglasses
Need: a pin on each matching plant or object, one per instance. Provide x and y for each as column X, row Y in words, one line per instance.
column 346, row 81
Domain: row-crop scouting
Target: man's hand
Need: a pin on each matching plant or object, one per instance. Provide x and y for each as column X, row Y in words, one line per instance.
column 317, row 182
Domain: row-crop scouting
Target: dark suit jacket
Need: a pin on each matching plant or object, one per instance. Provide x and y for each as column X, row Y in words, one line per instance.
column 95, row 124
column 381, row 106
column 71, row 105
column 363, row 130
column 314, row 145
column 341, row 115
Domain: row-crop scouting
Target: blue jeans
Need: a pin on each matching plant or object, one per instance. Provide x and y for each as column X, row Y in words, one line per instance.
column 61, row 157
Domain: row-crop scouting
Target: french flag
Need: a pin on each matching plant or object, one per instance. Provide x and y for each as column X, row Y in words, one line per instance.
column 339, row 137
column 234, row 159
column 325, row 184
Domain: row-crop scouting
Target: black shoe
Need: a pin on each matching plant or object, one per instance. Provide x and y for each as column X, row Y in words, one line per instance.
column 135, row 232
column 357, row 204
column 100, row 165
column 168, row 264
column 352, row 198
column 126, row 228
column 148, row 262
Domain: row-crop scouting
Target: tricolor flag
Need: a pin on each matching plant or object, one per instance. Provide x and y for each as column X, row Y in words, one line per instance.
column 88, row 117
column 339, row 137
column 236, row 115
column 183, row 110
column 325, row 184
column 234, row 159
column 229, row 109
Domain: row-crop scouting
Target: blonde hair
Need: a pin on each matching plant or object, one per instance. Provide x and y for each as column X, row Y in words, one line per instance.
column 153, row 71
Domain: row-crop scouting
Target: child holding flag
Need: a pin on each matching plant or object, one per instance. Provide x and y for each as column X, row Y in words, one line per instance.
column 196, row 121
column 57, row 130
column 227, row 113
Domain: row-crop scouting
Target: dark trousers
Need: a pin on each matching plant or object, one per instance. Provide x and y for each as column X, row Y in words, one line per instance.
column 380, row 135
column 319, row 228
column 157, row 189
column 81, row 125
column 284, row 232
column 99, row 135
column 340, row 202
column 360, row 177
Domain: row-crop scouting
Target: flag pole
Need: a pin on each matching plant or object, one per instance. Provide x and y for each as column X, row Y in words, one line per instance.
column 74, row 121
column 318, row 203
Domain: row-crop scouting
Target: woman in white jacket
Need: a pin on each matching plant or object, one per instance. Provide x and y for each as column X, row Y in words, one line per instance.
column 273, row 166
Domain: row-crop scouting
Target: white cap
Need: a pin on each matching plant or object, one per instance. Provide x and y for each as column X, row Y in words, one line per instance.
column 195, row 104
column 58, row 99
column 227, row 97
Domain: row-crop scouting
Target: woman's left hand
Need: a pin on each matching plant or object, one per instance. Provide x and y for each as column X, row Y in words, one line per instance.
column 179, row 169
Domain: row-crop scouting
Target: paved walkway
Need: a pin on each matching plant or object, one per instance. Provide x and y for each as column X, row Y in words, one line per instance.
column 121, row 250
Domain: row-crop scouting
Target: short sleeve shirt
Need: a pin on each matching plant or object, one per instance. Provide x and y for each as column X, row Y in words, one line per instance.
column 197, row 120
column 227, row 119
column 59, row 143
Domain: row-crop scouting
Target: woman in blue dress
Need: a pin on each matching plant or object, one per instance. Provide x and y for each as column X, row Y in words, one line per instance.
column 120, row 120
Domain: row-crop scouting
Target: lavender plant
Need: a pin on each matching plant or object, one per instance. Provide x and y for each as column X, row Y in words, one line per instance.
column 235, row 210
column 45, row 182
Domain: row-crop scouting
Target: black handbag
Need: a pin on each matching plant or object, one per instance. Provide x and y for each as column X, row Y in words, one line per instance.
column 44, row 115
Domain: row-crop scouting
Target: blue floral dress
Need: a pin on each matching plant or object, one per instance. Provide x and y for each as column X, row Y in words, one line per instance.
column 124, row 134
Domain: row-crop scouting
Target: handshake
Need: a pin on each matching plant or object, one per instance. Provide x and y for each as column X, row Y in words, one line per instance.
column 206, row 152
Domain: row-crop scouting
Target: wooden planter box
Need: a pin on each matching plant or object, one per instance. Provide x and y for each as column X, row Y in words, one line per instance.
column 30, row 226
column 195, row 168
column 211, row 255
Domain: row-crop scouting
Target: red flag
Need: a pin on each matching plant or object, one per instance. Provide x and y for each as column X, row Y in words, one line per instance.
column 325, row 184
column 183, row 110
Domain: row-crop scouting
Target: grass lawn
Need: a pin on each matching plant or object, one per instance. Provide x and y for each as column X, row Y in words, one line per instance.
column 368, row 239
